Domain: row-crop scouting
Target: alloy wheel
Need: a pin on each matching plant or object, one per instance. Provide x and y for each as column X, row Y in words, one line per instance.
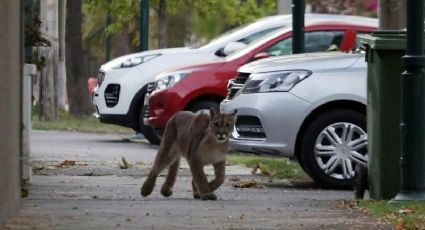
column 339, row 147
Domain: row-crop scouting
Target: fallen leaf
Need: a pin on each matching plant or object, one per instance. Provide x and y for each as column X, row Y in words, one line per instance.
column 406, row 211
column 245, row 184
column 264, row 169
column 124, row 164
column 66, row 163
column 401, row 224
column 89, row 174
column 37, row 167
column 234, row 178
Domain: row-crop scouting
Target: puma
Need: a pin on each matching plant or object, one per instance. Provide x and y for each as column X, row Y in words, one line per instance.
column 200, row 138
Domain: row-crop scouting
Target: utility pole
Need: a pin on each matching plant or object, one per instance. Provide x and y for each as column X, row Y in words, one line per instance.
column 413, row 107
column 144, row 25
column 298, row 8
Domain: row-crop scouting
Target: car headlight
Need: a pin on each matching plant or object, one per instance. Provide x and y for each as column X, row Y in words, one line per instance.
column 133, row 61
column 169, row 79
column 274, row 81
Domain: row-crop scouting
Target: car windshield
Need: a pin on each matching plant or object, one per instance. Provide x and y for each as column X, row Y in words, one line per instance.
column 239, row 32
column 257, row 44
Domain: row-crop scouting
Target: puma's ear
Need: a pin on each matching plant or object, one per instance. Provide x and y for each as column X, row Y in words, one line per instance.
column 214, row 111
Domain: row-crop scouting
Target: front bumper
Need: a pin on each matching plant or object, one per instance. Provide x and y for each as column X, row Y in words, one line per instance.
column 161, row 106
column 267, row 123
column 124, row 120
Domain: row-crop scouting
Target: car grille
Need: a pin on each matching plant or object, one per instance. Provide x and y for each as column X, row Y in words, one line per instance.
column 151, row 87
column 236, row 84
column 100, row 77
column 146, row 111
column 249, row 127
column 112, row 95
column 241, row 78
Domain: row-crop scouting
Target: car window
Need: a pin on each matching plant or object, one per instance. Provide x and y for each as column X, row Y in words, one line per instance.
column 315, row 41
column 283, row 47
column 323, row 40
column 247, row 40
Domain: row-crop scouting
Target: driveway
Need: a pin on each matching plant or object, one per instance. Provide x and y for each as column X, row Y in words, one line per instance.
column 77, row 184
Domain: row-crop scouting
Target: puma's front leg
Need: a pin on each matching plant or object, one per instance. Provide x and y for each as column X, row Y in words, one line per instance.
column 201, row 181
column 219, row 171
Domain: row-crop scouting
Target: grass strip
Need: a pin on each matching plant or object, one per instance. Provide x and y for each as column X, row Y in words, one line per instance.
column 282, row 167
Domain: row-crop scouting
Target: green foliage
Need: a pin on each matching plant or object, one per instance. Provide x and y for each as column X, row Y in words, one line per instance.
column 281, row 166
column 236, row 12
column 206, row 18
column 122, row 12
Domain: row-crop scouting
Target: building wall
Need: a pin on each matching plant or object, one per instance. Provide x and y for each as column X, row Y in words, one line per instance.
column 10, row 112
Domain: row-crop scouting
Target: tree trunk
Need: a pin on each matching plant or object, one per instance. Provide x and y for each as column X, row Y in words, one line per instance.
column 177, row 28
column 392, row 14
column 122, row 43
column 49, row 73
column 48, row 109
column 162, row 24
column 77, row 86
column 61, row 65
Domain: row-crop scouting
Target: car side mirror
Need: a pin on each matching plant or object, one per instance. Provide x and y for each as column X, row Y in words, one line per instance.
column 260, row 56
column 232, row 47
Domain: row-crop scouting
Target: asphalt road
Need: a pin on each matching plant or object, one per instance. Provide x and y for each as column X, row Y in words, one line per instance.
column 77, row 184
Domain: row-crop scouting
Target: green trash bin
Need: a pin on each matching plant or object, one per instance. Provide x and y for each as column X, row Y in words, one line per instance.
column 384, row 50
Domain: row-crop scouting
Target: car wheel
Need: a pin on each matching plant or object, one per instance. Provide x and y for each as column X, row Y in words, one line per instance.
column 151, row 134
column 204, row 106
column 333, row 145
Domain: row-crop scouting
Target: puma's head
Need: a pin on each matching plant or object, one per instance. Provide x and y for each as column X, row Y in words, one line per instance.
column 222, row 124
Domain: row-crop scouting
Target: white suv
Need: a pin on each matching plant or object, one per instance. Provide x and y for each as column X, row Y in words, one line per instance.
column 122, row 82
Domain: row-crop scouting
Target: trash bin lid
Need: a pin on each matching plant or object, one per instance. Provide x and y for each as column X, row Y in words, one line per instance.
column 384, row 39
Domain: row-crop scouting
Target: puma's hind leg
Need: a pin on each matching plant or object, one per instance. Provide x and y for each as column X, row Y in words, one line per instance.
column 195, row 191
column 149, row 183
column 162, row 161
column 167, row 187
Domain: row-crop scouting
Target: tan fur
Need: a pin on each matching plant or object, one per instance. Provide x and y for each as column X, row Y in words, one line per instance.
column 201, row 139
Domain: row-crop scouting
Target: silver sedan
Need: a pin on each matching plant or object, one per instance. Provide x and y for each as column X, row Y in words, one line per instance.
column 311, row 107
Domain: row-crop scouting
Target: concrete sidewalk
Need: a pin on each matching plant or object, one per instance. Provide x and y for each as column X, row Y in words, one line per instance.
column 101, row 196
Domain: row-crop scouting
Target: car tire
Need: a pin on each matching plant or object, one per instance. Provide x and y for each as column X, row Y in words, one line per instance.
column 332, row 145
column 204, row 105
column 154, row 136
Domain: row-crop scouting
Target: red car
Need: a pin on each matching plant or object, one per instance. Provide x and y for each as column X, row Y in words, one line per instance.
column 199, row 87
